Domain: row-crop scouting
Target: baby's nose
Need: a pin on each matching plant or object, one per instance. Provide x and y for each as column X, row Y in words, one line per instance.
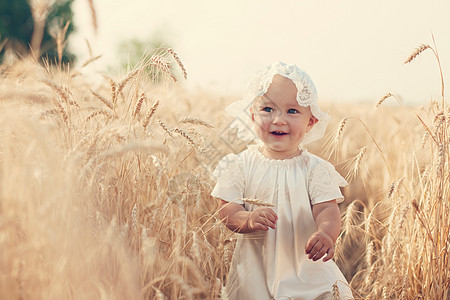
column 279, row 118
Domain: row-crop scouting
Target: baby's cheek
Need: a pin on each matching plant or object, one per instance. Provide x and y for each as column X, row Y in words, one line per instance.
column 261, row 120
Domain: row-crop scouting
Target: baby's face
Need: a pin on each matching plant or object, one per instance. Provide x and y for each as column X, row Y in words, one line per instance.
column 279, row 121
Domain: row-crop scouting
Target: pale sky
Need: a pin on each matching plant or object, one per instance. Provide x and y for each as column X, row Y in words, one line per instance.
column 353, row 49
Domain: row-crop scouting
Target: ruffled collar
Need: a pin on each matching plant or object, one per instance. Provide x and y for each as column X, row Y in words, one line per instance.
column 287, row 161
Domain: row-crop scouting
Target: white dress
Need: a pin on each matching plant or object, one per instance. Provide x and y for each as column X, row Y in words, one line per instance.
column 272, row 264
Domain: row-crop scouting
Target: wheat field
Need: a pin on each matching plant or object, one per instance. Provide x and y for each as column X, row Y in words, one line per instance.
column 105, row 187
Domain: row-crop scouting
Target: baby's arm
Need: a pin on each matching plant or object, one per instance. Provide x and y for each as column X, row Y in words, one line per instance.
column 238, row 219
column 328, row 220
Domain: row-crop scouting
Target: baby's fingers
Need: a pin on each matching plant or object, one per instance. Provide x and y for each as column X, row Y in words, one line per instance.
column 330, row 254
column 269, row 222
column 261, row 226
column 316, row 252
column 260, row 221
column 271, row 218
column 319, row 254
column 257, row 226
column 310, row 244
column 268, row 213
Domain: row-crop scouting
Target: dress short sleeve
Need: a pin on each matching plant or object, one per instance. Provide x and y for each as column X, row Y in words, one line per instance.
column 324, row 182
column 230, row 179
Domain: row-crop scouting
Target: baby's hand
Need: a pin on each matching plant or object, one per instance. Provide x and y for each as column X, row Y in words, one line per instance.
column 318, row 245
column 262, row 218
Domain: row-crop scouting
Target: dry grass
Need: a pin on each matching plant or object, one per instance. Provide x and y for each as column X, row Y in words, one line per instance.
column 105, row 189
column 406, row 233
column 97, row 202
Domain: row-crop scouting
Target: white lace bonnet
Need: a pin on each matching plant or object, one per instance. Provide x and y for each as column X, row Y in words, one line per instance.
column 306, row 96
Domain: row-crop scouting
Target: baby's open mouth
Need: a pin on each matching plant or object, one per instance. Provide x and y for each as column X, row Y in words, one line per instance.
column 278, row 133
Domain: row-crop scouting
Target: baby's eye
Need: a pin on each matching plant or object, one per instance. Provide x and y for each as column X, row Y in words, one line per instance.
column 267, row 109
column 292, row 111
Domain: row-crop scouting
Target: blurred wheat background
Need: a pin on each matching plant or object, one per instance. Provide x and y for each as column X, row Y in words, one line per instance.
column 105, row 185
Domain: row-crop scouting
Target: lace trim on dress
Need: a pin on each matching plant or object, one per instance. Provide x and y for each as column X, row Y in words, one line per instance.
column 230, row 173
column 324, row 179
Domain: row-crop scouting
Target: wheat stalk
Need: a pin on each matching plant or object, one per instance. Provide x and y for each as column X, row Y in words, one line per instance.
column 370, row 253
column 177, row 59
column 416, row 52
column 256, row 202
column 403, row 214
column 150, row 114
column 124, row 81
column 93, row 15
column 195, row 121
column 340, row 130
column 90, row 60
column 99, row 112
column 166, row 129
column 369, row 224
column 60, row 44
column 61, row 92
column 134, row 216
column 39, row 12
column 424, row 140
column 62, row 112
column 195, row 247
column 159, row 62
column 99, row 97
column 403, row 294
column 349, row 217
column 427, row 129
column 441, row 158
column 184, row 134
column 335, row 291
column 383, row 99
column 139, row 105
column 113, row 85
column 371, row 275
column 358, row 161
column 394, row 187
column 385, row 294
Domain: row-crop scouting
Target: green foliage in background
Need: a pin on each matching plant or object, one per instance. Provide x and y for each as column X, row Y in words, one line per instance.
column 16, row 28
column 135, row 52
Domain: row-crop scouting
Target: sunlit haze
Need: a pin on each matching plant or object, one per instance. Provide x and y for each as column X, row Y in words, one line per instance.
column 353, row 50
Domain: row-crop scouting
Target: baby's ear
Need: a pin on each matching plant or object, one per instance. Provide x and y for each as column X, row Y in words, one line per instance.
column 312, row 121
column 251, row 112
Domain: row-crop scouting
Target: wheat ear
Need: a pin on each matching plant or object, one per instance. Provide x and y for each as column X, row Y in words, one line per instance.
column 63, row 112
column 61, row 92
column 124, row 81
column 177, row 59
column 383, row 98
column 159, row 62
column 99, row 97
column 166, row 129
column 150, row 114
column 186, row 136
column 416, row 52
column 256, row 202
column 139, row 104
column 98, row 112
column 113, row 85
column 195, row 122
